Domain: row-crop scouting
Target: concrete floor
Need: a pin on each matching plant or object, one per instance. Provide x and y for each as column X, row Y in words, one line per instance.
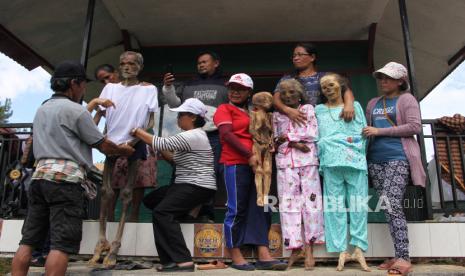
column 79, row 268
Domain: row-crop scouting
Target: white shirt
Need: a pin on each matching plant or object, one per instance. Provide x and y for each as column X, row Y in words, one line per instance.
column 133, row 105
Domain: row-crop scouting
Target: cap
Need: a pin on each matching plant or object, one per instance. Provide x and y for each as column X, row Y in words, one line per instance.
column 392, row 69
column 192, row 105
column 70, row 69
column 242, row 79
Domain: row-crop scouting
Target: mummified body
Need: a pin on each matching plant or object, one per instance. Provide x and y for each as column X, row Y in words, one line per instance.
column 262, row 132
column 143, row 100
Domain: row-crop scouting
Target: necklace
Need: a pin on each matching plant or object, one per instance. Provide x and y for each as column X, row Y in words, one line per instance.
column 331, row 115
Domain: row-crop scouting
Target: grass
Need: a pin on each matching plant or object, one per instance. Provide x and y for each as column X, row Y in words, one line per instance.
column 5, row 266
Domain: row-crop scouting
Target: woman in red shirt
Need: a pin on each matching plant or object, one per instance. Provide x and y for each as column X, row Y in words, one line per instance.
column 245, row 223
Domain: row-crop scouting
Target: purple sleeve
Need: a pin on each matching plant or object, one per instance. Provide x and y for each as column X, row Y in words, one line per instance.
column 411, row 125
column 229, row 137
column 369, row 110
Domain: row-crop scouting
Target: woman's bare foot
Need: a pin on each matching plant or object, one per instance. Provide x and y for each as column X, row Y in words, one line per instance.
column 343, row 258
column 358, row 256
column 264, row 253
column 236, row 256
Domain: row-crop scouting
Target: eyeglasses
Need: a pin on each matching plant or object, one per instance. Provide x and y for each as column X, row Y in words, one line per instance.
column 300, row 55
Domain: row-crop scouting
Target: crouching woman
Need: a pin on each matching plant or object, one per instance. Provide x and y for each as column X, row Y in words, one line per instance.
column 194, row 183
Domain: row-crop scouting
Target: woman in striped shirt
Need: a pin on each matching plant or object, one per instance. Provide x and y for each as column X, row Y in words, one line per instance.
column 194, row 183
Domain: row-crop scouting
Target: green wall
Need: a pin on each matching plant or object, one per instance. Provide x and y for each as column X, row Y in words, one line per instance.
column 266, row 62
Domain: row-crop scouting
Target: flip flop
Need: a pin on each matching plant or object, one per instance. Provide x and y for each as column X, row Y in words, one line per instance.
column 246, row 267
column 212, row 265
column 386, row 264
column 175, row 268
column 402, row 267
column 271, row 265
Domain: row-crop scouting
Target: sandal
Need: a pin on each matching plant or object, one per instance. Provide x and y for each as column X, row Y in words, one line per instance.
column 245, row 267
column 173, row 267
column 387, row 264
column 271, row 265
column 212, row 265
column 400, row 267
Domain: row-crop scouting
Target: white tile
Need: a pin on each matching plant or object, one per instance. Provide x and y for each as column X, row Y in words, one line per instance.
column 320, row 252
column 90, row 231
column 419, row 239
column 188, row 232
column 369, row 251
column 444, row 240
column 10, row 235
column 382, row 245
column 286, row 253
column 461, row 227
column 129, row 239
column 145, row 245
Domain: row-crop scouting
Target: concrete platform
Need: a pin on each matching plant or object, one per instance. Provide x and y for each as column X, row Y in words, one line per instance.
column 427, row 240
column 79, row 268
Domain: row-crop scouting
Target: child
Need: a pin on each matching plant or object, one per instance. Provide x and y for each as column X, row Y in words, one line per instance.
column 344, row 168
column 299, row 188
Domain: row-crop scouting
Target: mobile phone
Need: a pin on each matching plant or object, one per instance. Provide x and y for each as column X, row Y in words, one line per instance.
column 169, row 68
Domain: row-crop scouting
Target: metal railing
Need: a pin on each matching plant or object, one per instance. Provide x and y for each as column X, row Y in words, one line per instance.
column 446, row 169
column 16, row 164
column 444, row 194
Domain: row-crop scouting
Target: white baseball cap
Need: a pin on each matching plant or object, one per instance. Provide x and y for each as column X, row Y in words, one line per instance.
column 242, row 79
column 192, row 105
column 394, row 70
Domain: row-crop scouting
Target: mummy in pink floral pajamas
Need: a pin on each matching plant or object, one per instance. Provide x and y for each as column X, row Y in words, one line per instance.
column 299, row 189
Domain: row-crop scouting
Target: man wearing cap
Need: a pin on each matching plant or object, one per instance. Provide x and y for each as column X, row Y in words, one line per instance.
column 64, row 135
column 209, row 88
column 194, row 183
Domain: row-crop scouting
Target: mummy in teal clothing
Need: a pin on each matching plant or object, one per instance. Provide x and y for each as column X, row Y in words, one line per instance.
column 342, row 153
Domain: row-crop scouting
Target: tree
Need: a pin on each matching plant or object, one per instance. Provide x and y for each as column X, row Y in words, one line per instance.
column 5, row 111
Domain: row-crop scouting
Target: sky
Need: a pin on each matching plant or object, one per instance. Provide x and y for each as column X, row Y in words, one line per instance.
column 28, row 89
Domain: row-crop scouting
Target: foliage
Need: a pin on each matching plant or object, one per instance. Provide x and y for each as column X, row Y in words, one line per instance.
column 5, row 111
